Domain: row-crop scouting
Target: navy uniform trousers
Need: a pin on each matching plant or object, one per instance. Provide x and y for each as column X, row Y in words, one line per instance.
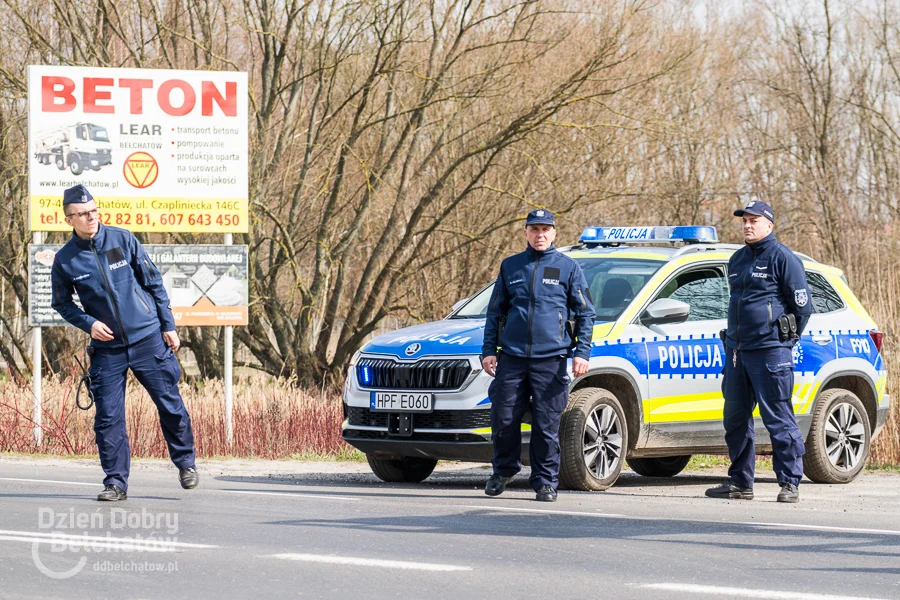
column 156, row 368
column 544, row 383
column 763, row 378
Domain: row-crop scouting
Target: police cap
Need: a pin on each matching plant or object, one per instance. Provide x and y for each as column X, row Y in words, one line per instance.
column 540, row 216
column 758, row 208
column 77, row 194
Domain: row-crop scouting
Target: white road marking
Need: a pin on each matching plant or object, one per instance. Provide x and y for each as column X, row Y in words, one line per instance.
column 369, row 562
column 291, row 495
column 146, row 544
column 96, row 485
column 540, row 510
column 827, row 528
column 733, row 592
column 123, row 546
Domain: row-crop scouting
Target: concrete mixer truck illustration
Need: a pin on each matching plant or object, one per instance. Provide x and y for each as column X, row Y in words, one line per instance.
column 78, row 147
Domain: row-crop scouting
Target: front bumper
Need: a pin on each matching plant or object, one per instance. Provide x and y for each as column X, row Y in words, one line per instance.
column 466, row 447
column 469, row 451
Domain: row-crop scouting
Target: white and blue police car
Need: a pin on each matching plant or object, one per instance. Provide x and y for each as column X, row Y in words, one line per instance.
column 652, row 397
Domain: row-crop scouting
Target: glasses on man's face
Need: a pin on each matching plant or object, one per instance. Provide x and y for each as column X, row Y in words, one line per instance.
column 84, row 214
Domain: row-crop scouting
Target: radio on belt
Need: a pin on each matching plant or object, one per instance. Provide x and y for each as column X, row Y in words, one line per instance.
column 614, row 236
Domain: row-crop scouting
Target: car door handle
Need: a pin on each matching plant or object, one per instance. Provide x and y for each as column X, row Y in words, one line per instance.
column 821, row 339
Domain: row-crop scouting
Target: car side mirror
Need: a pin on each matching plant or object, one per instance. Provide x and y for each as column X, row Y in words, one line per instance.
column 666, row 311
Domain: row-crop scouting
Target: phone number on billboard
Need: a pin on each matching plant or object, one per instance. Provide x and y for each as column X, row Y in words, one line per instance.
column 170, row 219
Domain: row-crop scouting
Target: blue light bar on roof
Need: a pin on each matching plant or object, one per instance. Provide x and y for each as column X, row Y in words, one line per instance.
column 604, row 236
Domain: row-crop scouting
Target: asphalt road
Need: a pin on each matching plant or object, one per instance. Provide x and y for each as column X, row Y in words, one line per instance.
column 309, row 531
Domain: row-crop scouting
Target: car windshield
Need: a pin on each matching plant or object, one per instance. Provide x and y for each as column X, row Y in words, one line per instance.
column 99, row 133
column 612, row 282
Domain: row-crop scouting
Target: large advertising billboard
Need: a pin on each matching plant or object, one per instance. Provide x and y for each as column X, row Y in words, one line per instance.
column 207, row 284
column 160, row 150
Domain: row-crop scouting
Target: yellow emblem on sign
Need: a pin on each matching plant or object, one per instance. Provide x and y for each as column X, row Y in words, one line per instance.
column 140, row 170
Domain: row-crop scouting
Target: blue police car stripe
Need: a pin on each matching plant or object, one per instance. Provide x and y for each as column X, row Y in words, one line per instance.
column 700, row 356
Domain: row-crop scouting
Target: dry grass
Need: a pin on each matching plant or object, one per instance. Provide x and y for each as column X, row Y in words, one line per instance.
column 272, row 419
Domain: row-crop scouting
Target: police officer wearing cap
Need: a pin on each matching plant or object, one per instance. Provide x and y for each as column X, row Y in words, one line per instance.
column 768, row 310
column 532, row 298
column 128, row 316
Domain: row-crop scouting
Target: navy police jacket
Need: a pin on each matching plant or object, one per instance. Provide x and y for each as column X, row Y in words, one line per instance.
column 766, row 280
column 117, row 284
column 535, row 292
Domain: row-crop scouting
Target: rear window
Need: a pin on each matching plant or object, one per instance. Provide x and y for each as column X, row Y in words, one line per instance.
column 825, row 298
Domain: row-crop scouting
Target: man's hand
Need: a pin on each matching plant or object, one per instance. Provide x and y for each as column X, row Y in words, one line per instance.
column 172, row 340
column 100, row 332
column 579, row 366
column 490, row 365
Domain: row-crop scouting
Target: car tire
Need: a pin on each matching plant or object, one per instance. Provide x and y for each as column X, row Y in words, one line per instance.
column 60, row 163
column 664, row 466
column 839, row 438
column 593, row 437
column 75, row 165
column 402, row 470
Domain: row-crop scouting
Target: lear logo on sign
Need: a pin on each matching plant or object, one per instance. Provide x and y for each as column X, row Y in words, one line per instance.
column 412, row 349
column 140, row 170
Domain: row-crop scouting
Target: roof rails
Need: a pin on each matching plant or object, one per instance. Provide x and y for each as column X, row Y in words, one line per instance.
column 705, row 248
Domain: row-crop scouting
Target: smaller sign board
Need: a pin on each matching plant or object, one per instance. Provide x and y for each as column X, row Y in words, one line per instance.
column 207, row 284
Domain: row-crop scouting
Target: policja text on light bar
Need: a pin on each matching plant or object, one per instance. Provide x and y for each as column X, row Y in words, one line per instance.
column 649, row 235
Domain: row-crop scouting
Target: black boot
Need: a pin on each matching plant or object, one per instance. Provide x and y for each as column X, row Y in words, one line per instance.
column 496, row 484
column 546, row 494
column 730, row 490
column 789, row 493
column 112, row 493
column 189, row 477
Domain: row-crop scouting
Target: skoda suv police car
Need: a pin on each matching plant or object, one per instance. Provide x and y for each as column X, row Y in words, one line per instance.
column 653, row 394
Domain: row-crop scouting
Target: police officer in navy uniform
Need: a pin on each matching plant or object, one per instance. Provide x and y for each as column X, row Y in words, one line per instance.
column 768, row 290
column 534, row 294
column 128, row 316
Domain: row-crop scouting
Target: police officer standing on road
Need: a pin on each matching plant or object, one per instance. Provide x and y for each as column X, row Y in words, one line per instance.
column 534, row 294
column 768, row 310
column 128, row 316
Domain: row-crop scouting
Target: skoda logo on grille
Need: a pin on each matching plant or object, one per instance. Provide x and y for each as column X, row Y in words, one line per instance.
column 412, row 349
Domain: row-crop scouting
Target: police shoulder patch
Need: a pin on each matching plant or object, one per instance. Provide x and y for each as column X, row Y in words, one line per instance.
column 801, row 297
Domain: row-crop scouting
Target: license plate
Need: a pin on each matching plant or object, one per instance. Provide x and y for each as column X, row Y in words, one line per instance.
column 401, row 402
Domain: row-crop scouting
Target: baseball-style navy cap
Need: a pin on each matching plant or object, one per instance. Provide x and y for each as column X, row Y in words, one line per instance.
column 77, row 194
column 540, row 217
column 756, row 207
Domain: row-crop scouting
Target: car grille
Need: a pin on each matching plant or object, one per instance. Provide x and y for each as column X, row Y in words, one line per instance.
column 415, row 437
column 439, row 419
column 422, row 375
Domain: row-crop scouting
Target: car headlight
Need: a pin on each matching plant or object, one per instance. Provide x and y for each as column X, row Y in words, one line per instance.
column 350, row 368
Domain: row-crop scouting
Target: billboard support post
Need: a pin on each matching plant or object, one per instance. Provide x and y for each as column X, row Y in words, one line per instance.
column 36, row 366
column 229, row 361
